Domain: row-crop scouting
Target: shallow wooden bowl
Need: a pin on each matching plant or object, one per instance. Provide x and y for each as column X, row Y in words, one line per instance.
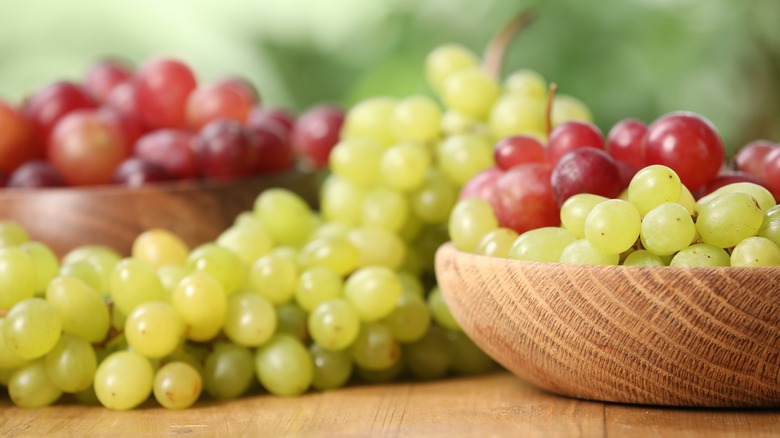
column 197, row 211
column 643, row 335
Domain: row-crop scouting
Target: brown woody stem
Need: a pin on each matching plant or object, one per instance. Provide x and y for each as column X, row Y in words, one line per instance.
column 495, row 51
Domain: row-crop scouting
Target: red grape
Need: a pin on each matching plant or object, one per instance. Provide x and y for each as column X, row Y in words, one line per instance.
column 171, row 149
column 50, row 103
column 482, row 185
column 524, row 199
column 585, row 170
column 17, row 143
column 625, row 142
column 270, row 147
column 724, row 178
column 316, row 133
column 124, row 99
column 518, row 149
column 223, row 150
column 225, row 99
column 129, row 126
column 163, row 86
column 572, row 135
column 36, row 173
column 688, row 144
column 136, row 171
column 771, row 172
column 258, row 114
column 750, row 158
column 103, row 76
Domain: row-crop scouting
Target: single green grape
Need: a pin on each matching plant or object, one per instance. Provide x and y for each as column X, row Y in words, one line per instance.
column 18, row 278
column 160, row 247
column 372, row 291
column 293, row 320
column 103, row 260
column 667, row 229
column 45, row 263
column 370, row 119
column 332, row 369
column 123, row 380
column 701, row 254
column 284, row 366
column 582, row 252
column 32, row 328
column 759, row 193
column 221, row 263
column 652, row 186
column 403, row 166
column 467, row 358
column 273, row 277
column 434, row 199
column 528, row 83
column 228, row 371
column 286, row 217
column 410, row 319
column 728, row 219
column 177, row 385
column 515, row 114
column 30, row 386
column 170, row 276
column 643, row 257
column 770, row 225
column 336, row 253
column 71, row 364
column 201, row 302
column 411, row 284
column 74, row 299
column 429, row 358
column 565, row 108
column 497, row 243
column 541, row 244
column 440, row 311
column 416, row 118
column 12, row 234
column 154, row 329
column 315, row 285
column 386, row 375
column 250, row 319
column 377, row 247
column 613, row 226
column 333, row 324
column 86, row 272
column 357, row 161
column 455, row 123
column 575, row 210
column 375, row 348
column 755, row 251
column 384, row 208
column 470, row 220
column 248, row 240
column 461, row 157
column 445, row 60
column 8, row 358
column 133, row 282
column 471, row 91
column 341, row 200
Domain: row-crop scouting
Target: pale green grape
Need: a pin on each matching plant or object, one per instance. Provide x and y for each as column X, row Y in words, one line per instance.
column 332, row 369
column 759, row 193
column 384, row 208
column 273, row 277
column 293, row 320
column 250, row 319
column 471, row 91
column 528, row 83
column 445, row 60
column 613, row 226
column 416, row 118
column 341, row 200
column 228, row 371
column 565, row 108
column 667, row 229
column 84, row 271
column 370, row 119
column 31, row 387
column 357, row 161
column 202, row 303
column 462, row 156
column 728, row 219
column 248, row 240
column 541, row 244
column 332, row 229
column 221, row 263
column 123, row 380
column 575, row 210
column 410, row 319
column 455, row 123
column 755, row 251
column 284, row 366
column 44, row 261
column 467, row 358
column 440, row 311
column 193, row 354
column 424, row 248
column 434, row 199
column 333, row 324
column 642, row 257
column 470, row 220
column 133, row 282
column 430, row 357
column 770, row 225
column 497, row 243
column 411, row 284
column 701, row 254
column 102, row 258
column 74, row 300
column 8, row 358
column 286, row 217
column 170, row 276
column 32, row 328
column 386, row 375
column 154, row 329
column 159, row 247
column 18, row 280
column 177, row 385
column 652, row 186
column 315, row 285
column 403, row 166
column 71, row 364
column 582, row 252
column 372, row 291
column 514, row 114
column 377, row 247
column 335, row 253
column 687, row 200
column 12, row 234
column 374, row 348
column 87, row 396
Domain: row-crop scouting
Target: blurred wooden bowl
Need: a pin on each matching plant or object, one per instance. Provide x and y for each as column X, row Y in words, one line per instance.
column 643, row 335
column 197, row 211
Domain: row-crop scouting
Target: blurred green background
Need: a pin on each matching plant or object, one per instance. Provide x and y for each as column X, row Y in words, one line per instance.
column 623, row 58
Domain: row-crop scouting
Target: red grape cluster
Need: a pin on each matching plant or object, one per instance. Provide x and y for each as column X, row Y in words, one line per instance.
column 155, row 123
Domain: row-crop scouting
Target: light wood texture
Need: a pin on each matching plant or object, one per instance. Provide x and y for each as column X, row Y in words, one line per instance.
column 665, row 336
column 496, row 405
column 65, row 218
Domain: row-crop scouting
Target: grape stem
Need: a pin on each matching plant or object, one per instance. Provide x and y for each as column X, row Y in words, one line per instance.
column 495, row 51
column 548, row 111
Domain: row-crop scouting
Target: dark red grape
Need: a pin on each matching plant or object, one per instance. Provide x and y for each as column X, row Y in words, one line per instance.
column 51, row 103
column 223, row 150
column 259, row 114
column 316, row 133
column 171, row 149
column 750, row 158
column 625, row 142
column 270, row 147
column 524, row 199
column 34, row 174
column 771, row 172
column 572, row 135
column 518, row 149
column 103, row 76
column 585, row 170
column 135, row 172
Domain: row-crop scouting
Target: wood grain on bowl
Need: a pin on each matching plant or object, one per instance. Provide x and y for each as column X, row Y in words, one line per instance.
column 644, row 335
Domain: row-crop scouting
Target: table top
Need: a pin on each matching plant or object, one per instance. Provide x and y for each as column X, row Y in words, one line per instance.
column 498, row 404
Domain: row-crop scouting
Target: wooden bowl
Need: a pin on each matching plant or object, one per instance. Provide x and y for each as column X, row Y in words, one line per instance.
column 197, row 211
column 629, row 334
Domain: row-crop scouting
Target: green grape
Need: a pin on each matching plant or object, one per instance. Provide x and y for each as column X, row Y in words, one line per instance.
column 293, row 320
column 403, row 166
column 582, row 252
column 193, row 354
column 384, row 208
column 336, row 253
column 8, row 358
column 341, row 200
column 123, row 380
column 575, row 210
column 249, row 240
column 652, row 186
column 44, row 262
column 410, row 319
column 228, row 371
column 332, row 369
column 5, row 375
column 332, row 229
column 315, row 285
column 435, row 198
column 18, row 279
column 31, row 387
column 471, row 91
column 467, row 358
column 286, row 217
column 84, row 271
column 202, row 304
column 370, row 119
column 460, row 157
column 667, row 229
column 221, row 263
column 411, row 284
column 71, row 364
column 374, row 348
column 541, row 244
column 755, row 251
column 170, row 276
column 424, row 248
column 687, row 201
column 416, row 118
column 284, row 366
column 333, row 324
column 613, row 226
column 102, row 258
column 430, row 357
column 273, row 277
column 440, row 311
column 87, row 396
column 565, row 108
column 377, row 247
column 154, row 329
column 527, row 83
column 514, row 114
column 74, row 299
column 770, row 225
column 728, row 219
column 759, row 193
column 133, row 282
column 177, row 385
column 250, row 320
column 159, row 247
column 456, row 123
column 32, row 328
column 701, row 254
column 643, row 257
column 386, row 375
column 12, row 234
column 497, row 243
column 372, row 291
column 445, row 60
column 470, row 220
column 357, row 161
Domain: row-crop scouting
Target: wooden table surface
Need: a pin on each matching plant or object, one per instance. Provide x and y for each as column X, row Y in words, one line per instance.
column 496, row 405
